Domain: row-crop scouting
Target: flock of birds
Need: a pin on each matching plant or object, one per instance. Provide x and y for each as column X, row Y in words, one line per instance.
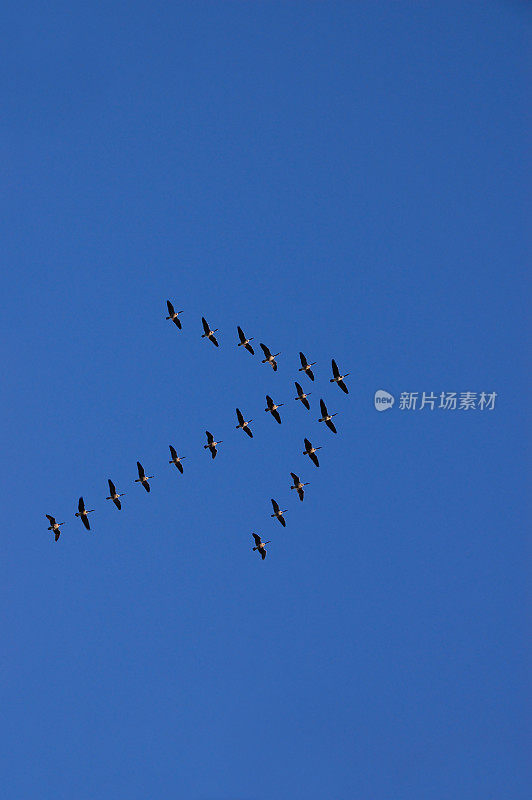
column 243, row 424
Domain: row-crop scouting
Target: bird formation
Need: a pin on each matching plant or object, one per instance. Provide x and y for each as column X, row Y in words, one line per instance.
column 243, row 424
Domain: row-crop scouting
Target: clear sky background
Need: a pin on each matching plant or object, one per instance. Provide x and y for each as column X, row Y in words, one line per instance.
column 346, row 179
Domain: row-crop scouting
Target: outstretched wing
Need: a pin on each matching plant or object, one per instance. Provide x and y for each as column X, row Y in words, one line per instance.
column 81, row 505
column 330, row 425
column 213, row 452
column 205, row 325
column 179, row 465
column 117, row 503
column 112, row 489
column 275, row 505
column 269, row 401
column 295, row 477
column 250, row 349
column 276, row 416
column 304, row 362
column 262, row 551
column 173, row 452
column 314, row 459
column 301, row 493
column 257, row 538
column 308, row 445
column 51, row 519
column 336, row 371
column 170, row 308
column 210, row 437
column 299, row 388
column 178, row 322
column 249, row 433
column 140, row 469
column 274, row 365
column 310, row 374
column 85, row 521
column 323, row 408
column 241, row 334
column 306, row 403
column 265, row 350
column 214, row 340
column 282, row 521
column 343, row 387
column 57, row 535
column 240, row 417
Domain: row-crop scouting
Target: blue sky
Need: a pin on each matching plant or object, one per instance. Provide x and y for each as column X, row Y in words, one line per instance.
column 346, row 179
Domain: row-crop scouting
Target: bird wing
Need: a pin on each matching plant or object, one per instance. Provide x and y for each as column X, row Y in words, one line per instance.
column 249, row 433
column 308, row 445
column 275, row 505
column 178, row 322
column 330, row 425
column 57, row 535
column 310, row 374
column 301, row 493
column 170, row 308
column 240, row 333
column 306, row 403
column 257, row 538
column 262, row 551
column 240, row 417
column 213, row 452
column 210, row 437
column 343, row 387
column 179, row 465
column 146, row 485
column 140, row 469
column 269, row 401
column 112, row 489
column 304, row 362
column 323, row 408
column 214, row 340
column 336, row 371
column 314, row 458
column 173, row 452
column 205, row 325
column 299, row 388
column 50, row 519
column 250, row 349
column 295, row 477
column 274, row 365
column 276, row 416
column 282, row 521
column 85, row 521
column 117, row 503
column 81, row 505
column 265, row 350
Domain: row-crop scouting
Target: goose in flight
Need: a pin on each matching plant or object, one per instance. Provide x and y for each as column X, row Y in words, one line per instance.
column 301, row 395
column 244, row 424
column 298, row 485
column 272, row 408
column 311, row 452
column 337, row 378
column 82, row 513
column 113, row 494
column 208, row 333
column 244, row 342
column 306, row 367
column 174, row 315
column 211, row 444
column 176, row 459
column 268, row 357
column 143, row 478
column 278, row 513
column 54, row 526
column 326, row 417
column 259, row 545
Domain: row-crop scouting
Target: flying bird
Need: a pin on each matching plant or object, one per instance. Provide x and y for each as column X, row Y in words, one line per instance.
column 337, row 378
column 143, row 478
column 211, row 444
column 272, row 408
column 242, row 423
column 176, row 459
column 113, row 494
column 82, row 513
column 311, row 452
column 259, row 545
column 326, row 417
column 306, row 367
column 298, row 485
column 54, row 526
column 301, row 395
column 268, row 357
column 278, row 513
column 244, row 342
column 208, row 333
column 174, row 315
